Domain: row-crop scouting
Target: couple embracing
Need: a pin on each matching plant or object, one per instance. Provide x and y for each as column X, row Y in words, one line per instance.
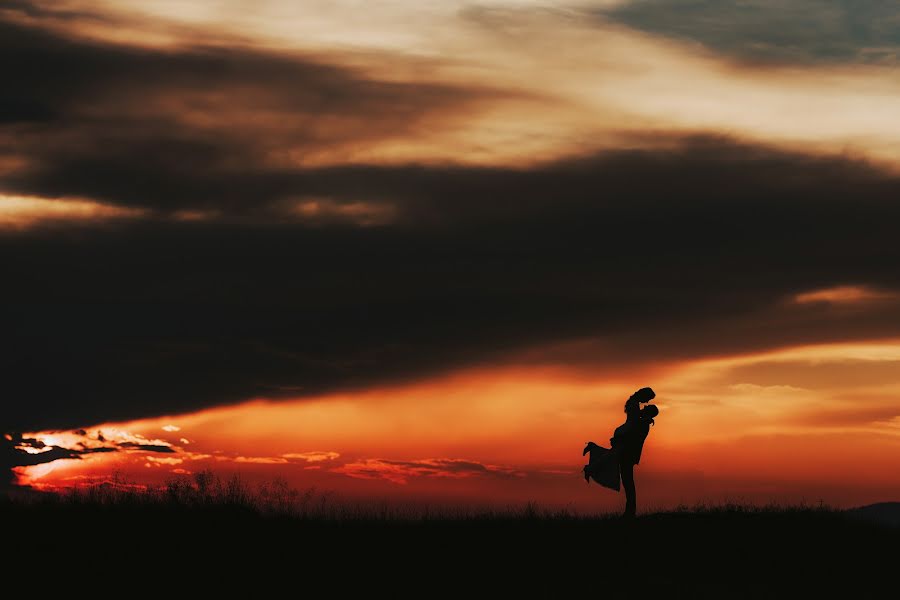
column 608, row 465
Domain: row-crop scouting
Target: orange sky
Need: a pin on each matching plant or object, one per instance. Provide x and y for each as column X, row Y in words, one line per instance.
column 799, row 424
column 270, row 181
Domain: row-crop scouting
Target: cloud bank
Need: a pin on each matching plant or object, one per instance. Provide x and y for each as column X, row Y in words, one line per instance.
column 262, row 257
column 799, row 31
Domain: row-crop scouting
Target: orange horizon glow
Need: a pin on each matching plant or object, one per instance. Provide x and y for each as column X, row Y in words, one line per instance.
column 728, row 427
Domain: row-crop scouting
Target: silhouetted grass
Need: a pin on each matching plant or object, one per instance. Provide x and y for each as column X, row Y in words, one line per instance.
column 206, row 492
column 218, row 534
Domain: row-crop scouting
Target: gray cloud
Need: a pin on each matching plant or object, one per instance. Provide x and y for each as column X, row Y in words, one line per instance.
column 400, row 471
column 864, row 31
column 145, row 447
column 652, row 254
column 189, row 127
column 649, row 255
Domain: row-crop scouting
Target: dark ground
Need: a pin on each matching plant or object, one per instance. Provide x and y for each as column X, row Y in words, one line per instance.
column 725, row 552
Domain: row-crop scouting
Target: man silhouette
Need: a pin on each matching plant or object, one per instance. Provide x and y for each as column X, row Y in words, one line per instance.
column 628, row 442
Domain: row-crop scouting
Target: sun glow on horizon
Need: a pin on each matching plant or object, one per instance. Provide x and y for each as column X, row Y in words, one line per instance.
column 525, row 423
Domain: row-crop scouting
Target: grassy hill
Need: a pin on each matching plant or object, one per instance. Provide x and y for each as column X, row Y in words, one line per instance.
column 291, row 543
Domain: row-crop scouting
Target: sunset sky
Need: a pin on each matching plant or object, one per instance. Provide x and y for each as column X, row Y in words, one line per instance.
column 425, row 250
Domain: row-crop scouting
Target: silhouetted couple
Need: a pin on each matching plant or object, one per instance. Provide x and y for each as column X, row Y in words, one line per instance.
column 608, row 465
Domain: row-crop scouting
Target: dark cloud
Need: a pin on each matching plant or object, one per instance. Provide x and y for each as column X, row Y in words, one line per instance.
column 440, row 465
column 23, row 459
column 145, row 447
column 650, row 255
column 401, row 471
column 170, row 129
column 40, row 11
column 653, row 255
column 805, row 31
column 31, row 443
column 14, row 452
column 17, row 110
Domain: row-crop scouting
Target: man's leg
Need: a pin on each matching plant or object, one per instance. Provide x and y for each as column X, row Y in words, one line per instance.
column 627, row 470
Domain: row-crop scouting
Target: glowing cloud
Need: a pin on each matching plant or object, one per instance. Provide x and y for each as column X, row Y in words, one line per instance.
column 21, row 212
column 312, row 457
column 844, row 295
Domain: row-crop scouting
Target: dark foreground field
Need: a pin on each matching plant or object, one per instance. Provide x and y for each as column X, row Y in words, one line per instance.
column 179, row 546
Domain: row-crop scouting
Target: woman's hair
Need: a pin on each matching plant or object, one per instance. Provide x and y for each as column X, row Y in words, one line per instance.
column 644, row 394
column 630, row 403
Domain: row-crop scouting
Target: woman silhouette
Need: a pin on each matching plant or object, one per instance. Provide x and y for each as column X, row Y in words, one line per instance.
column 627, row 443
